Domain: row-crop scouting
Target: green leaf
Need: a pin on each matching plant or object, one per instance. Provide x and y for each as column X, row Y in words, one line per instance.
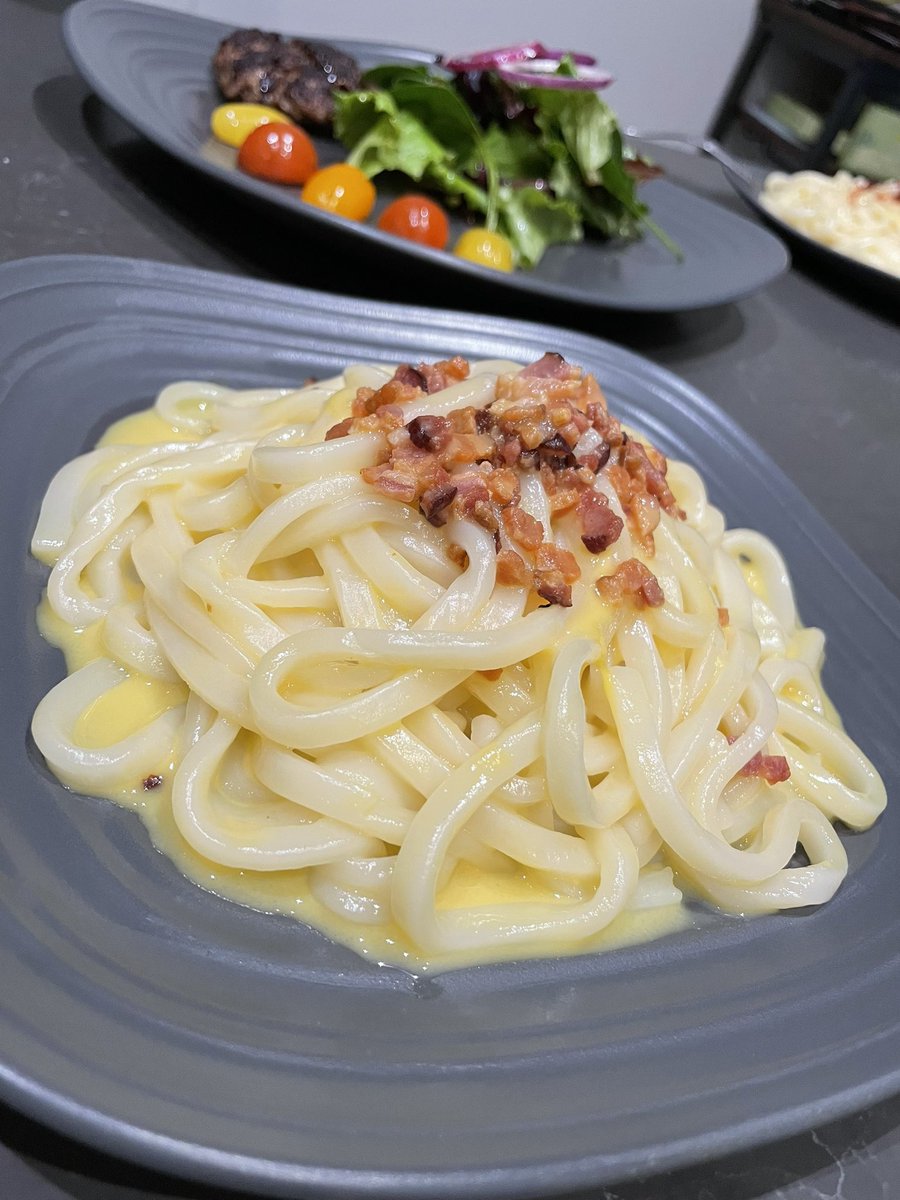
column 381, row 137
column 516, row 153
column 445, row 116
column 390, row 73
column 584, row 124
column 534, row 220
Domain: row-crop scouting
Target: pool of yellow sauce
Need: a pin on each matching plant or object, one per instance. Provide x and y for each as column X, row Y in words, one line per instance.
column 138, row 699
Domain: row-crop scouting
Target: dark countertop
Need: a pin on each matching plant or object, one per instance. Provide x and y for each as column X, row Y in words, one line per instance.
column 811, row 373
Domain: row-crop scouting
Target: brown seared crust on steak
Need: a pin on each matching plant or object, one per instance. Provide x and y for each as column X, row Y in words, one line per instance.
column 294, row 76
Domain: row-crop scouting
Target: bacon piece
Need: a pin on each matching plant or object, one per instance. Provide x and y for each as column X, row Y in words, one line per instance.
column 601, row 527
column 724, row 617
column 430, row 433
column 486, row 515
column 522, row 528
column 467, row 448
column 529, row 422
column 396, row 485
column 550, row 366
column 393, row 392
column 484, row 420
column 457, row 555
column 632, row 581
column 408, row 375
column 435, row 502
column 556, row 453
column 439, row 375
column 552, row 587
column 563, row 488
column 512, row 569
column 648, row 467
column 554, row 558
column 151, row 782
column 471, row 490
column 773, row 768
column 503, row 485
column 342, row 429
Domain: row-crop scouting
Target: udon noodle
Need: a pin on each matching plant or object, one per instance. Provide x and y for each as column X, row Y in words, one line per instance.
column 844, row 212
column 464, row 665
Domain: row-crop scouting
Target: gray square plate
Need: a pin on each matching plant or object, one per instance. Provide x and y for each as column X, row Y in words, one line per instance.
column 153, row 66
column 160, row 1023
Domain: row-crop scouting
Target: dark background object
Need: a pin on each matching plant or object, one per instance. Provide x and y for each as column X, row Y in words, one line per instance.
column 830, row 56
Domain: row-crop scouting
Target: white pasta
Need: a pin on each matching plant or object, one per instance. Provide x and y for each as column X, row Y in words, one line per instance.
column 316, row 689
column 844, row 212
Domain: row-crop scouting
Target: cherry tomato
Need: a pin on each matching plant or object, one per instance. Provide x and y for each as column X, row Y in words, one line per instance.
column 486, row 248
column 280, row 153
column 231, row 123
column 418, row 219
column 341, row 189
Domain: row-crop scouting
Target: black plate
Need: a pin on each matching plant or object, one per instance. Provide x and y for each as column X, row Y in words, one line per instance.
column 844, row 270
column 153, row 66
column 163, row 1024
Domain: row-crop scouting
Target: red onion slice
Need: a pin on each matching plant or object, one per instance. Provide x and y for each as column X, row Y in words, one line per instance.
column 486, row 60
column 541, row 72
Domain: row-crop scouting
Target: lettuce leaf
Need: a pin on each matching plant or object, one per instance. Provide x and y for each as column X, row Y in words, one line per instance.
column 534, row 220
column 415, row 122
column 382, row 136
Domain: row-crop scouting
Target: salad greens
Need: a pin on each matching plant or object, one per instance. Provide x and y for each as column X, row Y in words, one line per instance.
column 540, row 177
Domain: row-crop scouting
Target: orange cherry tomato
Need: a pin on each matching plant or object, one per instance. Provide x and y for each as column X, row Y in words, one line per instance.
column 341, row 189
column 277, row 152
column 418, row 219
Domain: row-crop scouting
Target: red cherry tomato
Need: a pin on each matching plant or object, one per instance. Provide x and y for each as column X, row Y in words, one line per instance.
column 279, row 153
column 418, row 219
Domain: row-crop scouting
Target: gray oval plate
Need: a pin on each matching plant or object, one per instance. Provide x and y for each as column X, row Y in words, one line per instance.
column 161, row 1023
column 153, row 66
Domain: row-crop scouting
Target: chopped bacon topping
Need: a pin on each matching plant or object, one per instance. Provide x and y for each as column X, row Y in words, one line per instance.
column 724, row 617
column 151, row 782
column 368, row 400
column 440, row 375
column 632, row 581
column 522, row 528
column 342, row 429
column 513, row 569
column 467, row 463
column 551, row 366
column 430, row 433
column 435, row 502
column 409, row 376
column 773, row 768
column 551, row 586
column 639, row 478
column 601, row 525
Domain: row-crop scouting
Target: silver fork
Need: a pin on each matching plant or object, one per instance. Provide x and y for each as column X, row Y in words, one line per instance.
column 705, row 144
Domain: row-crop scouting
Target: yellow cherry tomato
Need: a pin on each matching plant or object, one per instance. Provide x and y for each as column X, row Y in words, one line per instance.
column 233, row 123
column 341, row 189
column 486, row 248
